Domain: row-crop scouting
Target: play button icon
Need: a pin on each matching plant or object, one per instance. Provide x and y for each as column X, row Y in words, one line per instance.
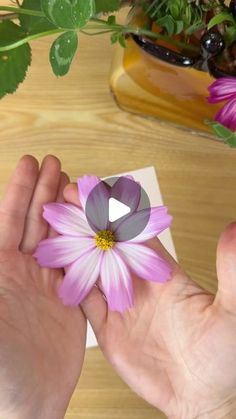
column 117, row 210
column 120, row 205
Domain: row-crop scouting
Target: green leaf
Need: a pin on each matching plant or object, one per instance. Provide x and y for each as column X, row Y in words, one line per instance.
column 226, row 134
column 231, row 141
column 230, row 34
column 111, row 20
column 68, row 14
column 168, row 23
column 13, row 63
column 33, row 24
column 174, row 9
column 122, row 40
column 62, row 52
column 179, row 26
column 188, row 14
column 114, row 37
column 221, row 17
column 105, row 6
column 195, row 27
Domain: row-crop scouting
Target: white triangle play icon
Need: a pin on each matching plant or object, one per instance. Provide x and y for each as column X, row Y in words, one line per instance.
column 117, row 210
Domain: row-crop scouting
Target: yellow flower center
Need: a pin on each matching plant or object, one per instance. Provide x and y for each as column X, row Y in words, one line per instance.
column 105, row 239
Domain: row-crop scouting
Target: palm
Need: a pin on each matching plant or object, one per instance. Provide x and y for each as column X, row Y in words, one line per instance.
column 45, row 339
column 42, row 342
column 176, row 347
column 169, row 349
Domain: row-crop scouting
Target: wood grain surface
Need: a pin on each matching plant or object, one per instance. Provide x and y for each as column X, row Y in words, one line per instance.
column 76, row 119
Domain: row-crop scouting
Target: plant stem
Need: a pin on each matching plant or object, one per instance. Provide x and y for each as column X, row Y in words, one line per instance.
column 101, row 25
column 21, row 10
column 30, row 38
column 95, row 33
column 146, row 32
column 150, row 7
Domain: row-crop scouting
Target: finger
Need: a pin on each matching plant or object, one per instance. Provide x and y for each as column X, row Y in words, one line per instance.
column 71, row 194
column 64, row 180
column 95, row 309
column 226, row 269
column 15, row 203
column 46, row 190
column 156, row 245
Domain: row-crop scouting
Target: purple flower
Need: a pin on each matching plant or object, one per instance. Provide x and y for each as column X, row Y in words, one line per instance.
column 224, row 89
column 88, row 255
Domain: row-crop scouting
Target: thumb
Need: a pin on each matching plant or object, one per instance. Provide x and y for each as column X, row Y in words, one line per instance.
column 95, row 309
column 226, row 268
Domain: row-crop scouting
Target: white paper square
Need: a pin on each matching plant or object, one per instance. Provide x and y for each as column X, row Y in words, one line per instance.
column 148, row 180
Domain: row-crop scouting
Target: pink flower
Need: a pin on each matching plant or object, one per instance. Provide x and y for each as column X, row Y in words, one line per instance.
column 224, row 89
column 89, row 255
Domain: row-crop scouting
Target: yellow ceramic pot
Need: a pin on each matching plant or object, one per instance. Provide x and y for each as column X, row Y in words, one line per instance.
column 146, row 85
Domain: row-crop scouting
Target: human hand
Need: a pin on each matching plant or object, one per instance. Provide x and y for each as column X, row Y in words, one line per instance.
column 42, row 342
column 177, row 346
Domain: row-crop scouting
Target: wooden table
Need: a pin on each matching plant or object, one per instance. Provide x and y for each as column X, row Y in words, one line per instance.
column 76, row 119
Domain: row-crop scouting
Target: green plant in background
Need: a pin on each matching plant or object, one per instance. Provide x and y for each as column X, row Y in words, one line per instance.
column 36, row 19
column 181, row 23
column 176, row 16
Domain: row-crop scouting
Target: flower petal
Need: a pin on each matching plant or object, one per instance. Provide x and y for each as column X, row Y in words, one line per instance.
column 127, row 191
column 97, row 207
column 61, row 251
column 144, row 262
column 222, row 89
column 85, row 186
column 157, row 220
column 116, row 282
column 67, row 219
column 80, row 278
column 227, row 115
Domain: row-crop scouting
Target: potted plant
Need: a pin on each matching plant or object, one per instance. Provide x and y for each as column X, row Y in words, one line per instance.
column 172, row 49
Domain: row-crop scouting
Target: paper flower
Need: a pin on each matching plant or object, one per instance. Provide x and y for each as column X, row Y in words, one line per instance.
column 103, row 254
column 224, row 89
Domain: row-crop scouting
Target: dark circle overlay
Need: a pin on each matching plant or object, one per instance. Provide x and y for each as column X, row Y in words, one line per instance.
column 126, row 191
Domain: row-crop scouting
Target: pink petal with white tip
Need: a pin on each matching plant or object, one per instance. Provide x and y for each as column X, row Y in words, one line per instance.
column 61, row 251
column 116, row 282
column 144, row 262
column 127, row 191
column 158, row 221
column 80, row 278
column 227, row 115
column 85, row 186
column 222, row 89
column 67, row 219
